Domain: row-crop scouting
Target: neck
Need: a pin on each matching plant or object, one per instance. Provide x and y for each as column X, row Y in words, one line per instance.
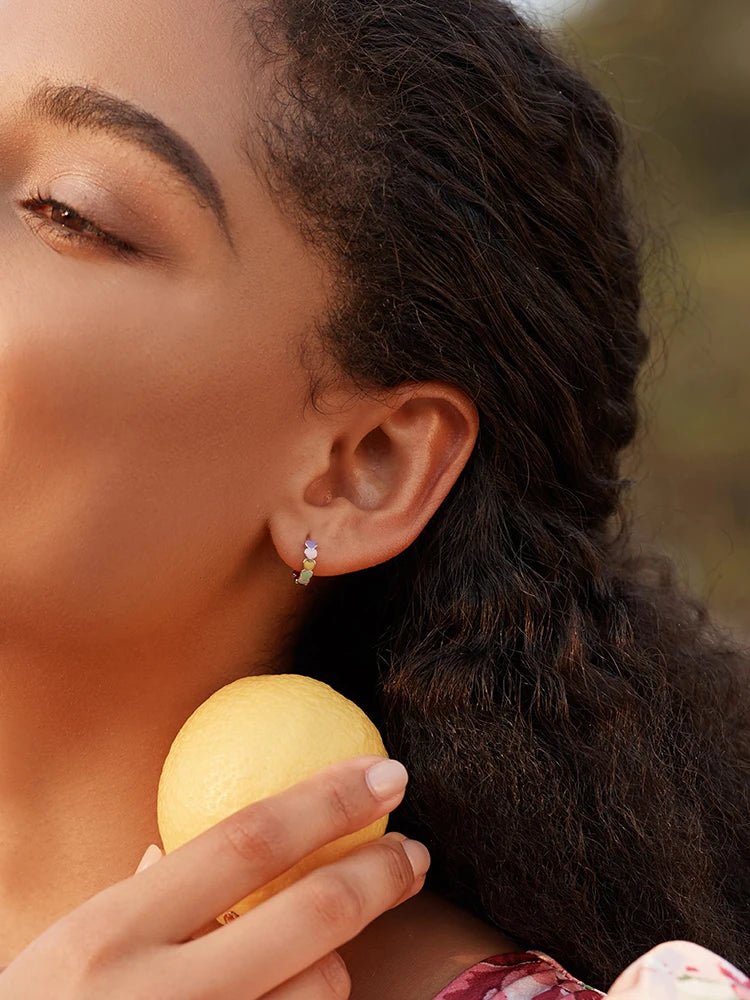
column 84, row 733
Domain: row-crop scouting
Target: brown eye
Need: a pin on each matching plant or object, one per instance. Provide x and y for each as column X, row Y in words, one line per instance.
column 69, row 219
column 58, row 214
column 64, row 223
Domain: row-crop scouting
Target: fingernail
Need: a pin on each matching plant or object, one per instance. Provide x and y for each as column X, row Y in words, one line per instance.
column 152, row 855
column 418, row 855
column 387, row 778
column 398, row 837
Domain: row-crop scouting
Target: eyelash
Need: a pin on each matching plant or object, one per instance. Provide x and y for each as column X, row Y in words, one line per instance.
column 92, row 235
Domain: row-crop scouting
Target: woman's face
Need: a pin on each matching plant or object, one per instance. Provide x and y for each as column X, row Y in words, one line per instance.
column 146, row 394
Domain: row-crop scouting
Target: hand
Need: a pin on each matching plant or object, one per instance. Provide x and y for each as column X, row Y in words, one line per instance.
column 136, row 939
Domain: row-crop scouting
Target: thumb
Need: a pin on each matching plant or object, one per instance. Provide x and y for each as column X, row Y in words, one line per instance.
column 152, row 855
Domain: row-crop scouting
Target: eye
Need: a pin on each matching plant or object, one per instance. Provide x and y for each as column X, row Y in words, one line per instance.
column 66, row 224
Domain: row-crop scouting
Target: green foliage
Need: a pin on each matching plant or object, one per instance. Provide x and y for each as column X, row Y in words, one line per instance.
column 678, row 73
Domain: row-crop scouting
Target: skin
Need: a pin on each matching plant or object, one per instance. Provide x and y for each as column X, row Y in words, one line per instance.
column 160, row 467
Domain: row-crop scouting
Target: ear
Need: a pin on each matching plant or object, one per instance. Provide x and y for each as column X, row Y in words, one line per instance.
column 374, row 474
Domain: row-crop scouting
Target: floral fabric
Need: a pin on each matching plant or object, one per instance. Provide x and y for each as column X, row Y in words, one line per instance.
column 679, row 970
column 517, row 976
column 675, row 970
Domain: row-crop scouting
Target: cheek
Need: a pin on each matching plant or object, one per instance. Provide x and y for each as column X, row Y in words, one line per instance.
column 139, row 443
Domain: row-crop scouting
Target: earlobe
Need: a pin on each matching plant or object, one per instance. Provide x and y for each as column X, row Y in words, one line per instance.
column 391, row 463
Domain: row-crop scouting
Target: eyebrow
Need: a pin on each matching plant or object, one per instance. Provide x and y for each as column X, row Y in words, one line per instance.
column 82, row 107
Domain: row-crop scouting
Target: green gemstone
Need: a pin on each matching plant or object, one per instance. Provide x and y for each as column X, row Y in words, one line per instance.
column 306, row 574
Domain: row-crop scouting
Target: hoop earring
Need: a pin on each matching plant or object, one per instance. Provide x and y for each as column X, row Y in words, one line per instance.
column 308, row 566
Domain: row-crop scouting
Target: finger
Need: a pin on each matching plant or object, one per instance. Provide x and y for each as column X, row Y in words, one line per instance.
column 290, row 932
column 205, row 877
column 150, row 857
column 328, row 979
column 209, row 928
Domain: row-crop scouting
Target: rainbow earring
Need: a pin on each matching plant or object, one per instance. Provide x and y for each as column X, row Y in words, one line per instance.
column 308, row 566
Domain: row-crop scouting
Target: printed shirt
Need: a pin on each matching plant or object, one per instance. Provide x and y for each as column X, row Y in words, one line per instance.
column 674, row 970
column 517, row 976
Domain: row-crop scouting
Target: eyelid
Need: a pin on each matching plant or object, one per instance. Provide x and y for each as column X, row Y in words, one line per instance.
column 101, row 238
column 113, row 198
column 38, row 200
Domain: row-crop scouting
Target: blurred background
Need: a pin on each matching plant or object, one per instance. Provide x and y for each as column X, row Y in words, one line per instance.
column 678, row 74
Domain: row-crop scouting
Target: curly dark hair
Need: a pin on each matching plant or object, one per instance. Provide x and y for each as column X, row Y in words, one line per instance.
column 575, row 729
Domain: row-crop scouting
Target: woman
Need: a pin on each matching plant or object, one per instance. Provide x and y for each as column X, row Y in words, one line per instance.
column 362, row 274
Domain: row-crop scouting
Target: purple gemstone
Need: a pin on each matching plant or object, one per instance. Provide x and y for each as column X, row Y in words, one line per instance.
column 311, row 545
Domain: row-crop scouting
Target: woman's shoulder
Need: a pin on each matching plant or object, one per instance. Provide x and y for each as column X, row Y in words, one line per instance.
column 522, row 975
column 428, row 948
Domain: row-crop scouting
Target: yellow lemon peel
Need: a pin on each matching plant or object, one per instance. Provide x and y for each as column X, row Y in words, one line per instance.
column 254, row 738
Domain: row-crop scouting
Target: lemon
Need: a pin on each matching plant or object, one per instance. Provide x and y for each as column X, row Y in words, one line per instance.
column 251, row 739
